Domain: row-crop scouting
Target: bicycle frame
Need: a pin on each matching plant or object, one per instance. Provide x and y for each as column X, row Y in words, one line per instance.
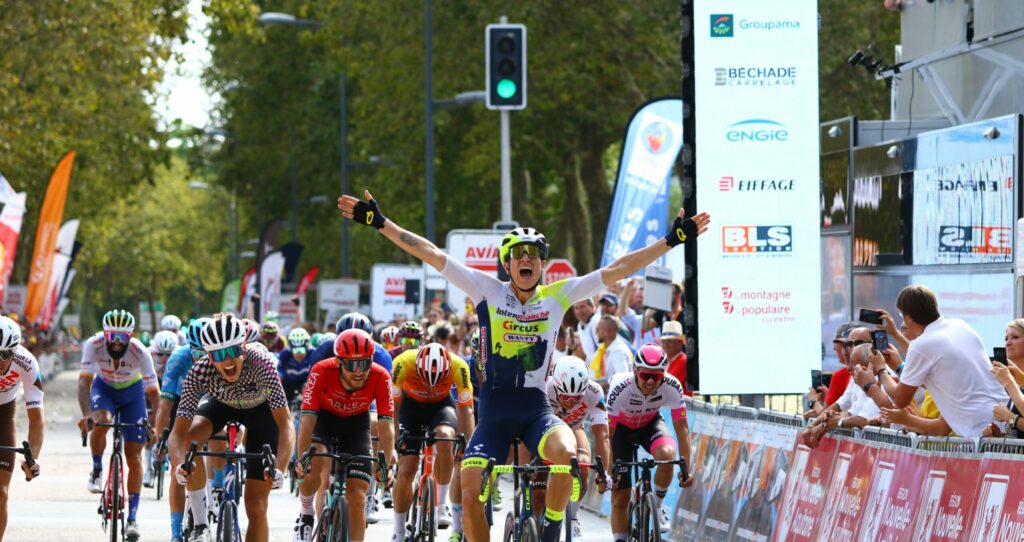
column 340, row 464
column 426, row 468
column 642, row 483
column 112, row 500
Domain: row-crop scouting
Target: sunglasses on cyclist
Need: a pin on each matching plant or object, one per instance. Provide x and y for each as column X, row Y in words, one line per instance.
column 224, row 354
column 569, row 398
column 409, row 341
column 197, row 354
column 6, row 355
column 117, row 336
column 647, row 376
column 356, row 365
column 533, row 251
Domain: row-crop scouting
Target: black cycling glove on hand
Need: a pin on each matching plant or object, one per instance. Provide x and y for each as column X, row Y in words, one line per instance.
column 681, row 231
column 368, row 214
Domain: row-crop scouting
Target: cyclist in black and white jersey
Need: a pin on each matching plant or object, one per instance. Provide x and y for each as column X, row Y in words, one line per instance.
column 233, row 382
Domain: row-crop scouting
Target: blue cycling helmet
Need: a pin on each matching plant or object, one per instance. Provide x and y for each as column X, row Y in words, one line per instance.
column 195, row 327
column 354, row 320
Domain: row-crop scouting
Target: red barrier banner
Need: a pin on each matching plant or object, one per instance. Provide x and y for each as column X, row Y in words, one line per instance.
column 847, row 491
column 805, row 490
column 895, row 491
column 947, row 499
column 998, row 503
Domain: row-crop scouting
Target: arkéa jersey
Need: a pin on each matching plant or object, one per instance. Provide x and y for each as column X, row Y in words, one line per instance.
column 516, row 339
column 136, row 364
column 404, row 378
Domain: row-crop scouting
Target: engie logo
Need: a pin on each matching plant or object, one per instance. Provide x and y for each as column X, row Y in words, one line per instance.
column 974, row 240
column 721, row 25
column 756, row 131
column 757, row 239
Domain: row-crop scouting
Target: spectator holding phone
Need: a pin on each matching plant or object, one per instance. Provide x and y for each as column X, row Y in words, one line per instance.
column 1010, row 376
column 854, row 408
column 825, row 396
column 885, row 322
column 946, row 356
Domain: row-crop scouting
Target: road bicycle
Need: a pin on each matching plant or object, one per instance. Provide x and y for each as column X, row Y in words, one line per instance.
column 422, row 523
column 112, row 500
column 333, row 525
column 521, row 523
column 644, row 525
column 227, row 509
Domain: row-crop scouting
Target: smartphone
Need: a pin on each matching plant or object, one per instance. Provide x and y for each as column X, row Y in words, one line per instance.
column 870, row 317
column 999, row 355
column 826, row 379
column 880, row 340
column 815, row 379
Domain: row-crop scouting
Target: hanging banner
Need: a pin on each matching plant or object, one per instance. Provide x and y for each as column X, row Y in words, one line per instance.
column 307, row 280
column 46, row 237
column 61, row 262
column 640, row 211
column 8, row 196
column 387, row 291
column 14, row 299
column 230, row 297
column 10, row 228
column 248, row 287
column 756, row 99
column 271, row 270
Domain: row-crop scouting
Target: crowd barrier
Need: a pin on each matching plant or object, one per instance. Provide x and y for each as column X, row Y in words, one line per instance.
column 756, row 480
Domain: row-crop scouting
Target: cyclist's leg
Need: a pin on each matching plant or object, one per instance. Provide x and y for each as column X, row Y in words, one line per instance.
column 101, row 398
column 660, row 444
column 553, row 441
column 175, row 492
column 355, row 433
column 261, row 428
column 583, row 456
column 491, row 440
column 131, row 404
column 7, row 459
column 210, row 417
column 356, row 491
column 408, row 460
column 257, row 493
column 622, row 449
column 444, row 423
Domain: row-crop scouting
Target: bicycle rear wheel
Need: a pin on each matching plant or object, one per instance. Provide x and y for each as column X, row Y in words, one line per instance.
column 226, row 525
column 531, row 532
column 115, row 497
column 650, row 529
column 427, row 521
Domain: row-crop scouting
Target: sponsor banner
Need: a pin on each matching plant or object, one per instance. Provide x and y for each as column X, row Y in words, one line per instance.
column 756, row 85
column 805, row 490
column 947, row 499
column 338, row 296
column 248, row 288
column 229, row 297
column 640, row 212
column 387, row 291
column 14, row 298
column 307, row 280
column 998, row 502
column 477, row 249
column 50, row 217
column 10, row 228
column 963, row 212
column 271, row 269
column 847, row 491
column 895, row 490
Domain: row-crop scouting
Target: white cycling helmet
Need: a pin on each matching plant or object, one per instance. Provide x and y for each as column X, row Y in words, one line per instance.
column 389, row 335
column 118, row 320
column 165, row 341
column 222, row 332
column 571, row 376
column 253, row 329
column 10, row 334
column 170, row 323
column 433, row 364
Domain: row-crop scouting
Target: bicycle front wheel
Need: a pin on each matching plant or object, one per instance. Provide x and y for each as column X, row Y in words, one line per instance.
column 531, row 532
column 339, row 521
column 510, row 528
column 228, row 519
column 427, row 527
column 115, row 497
column 159, row 481
column 650, row 529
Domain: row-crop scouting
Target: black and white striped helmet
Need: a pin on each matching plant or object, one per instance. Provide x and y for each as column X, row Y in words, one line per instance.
column 222, row 332
column 10, row 334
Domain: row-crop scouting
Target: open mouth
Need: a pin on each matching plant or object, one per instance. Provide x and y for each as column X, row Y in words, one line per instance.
column 230, row 370
column 526, row 273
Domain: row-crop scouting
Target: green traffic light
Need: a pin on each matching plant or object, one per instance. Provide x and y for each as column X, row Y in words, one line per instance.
column 506, row 88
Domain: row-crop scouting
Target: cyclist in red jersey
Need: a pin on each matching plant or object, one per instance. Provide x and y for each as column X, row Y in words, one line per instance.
column 336, row 405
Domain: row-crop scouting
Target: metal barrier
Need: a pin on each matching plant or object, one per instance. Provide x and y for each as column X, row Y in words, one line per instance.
column 848, row 432
column 1001, row 445
column 780, row 418
column 696, row 405
column 947, row 444
column 739, row 412
column 889, row 436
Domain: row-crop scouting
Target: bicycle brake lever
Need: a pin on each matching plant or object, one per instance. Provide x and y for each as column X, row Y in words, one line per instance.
column 28, row 453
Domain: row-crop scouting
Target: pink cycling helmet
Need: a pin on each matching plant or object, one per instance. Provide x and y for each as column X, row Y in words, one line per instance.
column 650, row 357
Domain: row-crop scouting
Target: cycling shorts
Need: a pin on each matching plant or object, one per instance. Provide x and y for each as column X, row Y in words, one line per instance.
column 511, row 412
column 7, row 435
column 260, row 428
column 129, row 402
column 349, row 435
column 414, row 416
column 650, row 436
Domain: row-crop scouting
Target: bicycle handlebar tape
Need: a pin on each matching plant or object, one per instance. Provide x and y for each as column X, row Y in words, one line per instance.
column 368, row 214
column 681, row 231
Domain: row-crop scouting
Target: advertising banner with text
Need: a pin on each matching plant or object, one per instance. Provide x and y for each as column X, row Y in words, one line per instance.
column 756, row 84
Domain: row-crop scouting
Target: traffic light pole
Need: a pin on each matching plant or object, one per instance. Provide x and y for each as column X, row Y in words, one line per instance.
column 506, row 168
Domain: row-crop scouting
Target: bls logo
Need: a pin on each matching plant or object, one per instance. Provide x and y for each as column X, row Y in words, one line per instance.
column 974, row 240
column 755, row 239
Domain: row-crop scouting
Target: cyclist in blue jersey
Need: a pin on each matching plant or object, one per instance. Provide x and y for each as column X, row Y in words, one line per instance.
column 178, row 366
column 294, row 363
column 519, row 321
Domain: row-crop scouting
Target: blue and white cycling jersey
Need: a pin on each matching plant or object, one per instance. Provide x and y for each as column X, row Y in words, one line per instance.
column 177, row 368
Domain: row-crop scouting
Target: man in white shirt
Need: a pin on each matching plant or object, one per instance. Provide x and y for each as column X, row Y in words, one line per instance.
column 616, row 356
column 947, row 357
column 586, row 329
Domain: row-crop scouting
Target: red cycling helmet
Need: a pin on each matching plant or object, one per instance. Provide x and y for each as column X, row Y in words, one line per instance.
column 353, row 344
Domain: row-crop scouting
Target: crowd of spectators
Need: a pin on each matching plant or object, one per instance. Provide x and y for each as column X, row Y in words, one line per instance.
column 933, row 377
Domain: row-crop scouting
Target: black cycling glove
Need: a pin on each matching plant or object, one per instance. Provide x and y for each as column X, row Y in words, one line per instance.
column 681, row 231
column 368, row 214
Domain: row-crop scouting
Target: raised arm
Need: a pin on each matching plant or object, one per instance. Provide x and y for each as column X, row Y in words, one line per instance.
column 682, row 229
column 368, row 213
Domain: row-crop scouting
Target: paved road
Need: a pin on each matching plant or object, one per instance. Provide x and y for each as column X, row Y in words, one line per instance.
column 57, row 506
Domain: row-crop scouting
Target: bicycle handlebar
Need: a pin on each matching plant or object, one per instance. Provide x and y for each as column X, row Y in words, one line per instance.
column 143, row 423
column 430, row 439
column 344, row 459
column 25, row 450
column 572, row 468
column 267, row 454
column 650, row 463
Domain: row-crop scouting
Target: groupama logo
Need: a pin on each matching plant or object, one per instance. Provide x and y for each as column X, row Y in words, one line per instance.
column 721, row 25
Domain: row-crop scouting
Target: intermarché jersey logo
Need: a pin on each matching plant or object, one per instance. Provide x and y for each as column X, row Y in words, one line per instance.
column 721, row 25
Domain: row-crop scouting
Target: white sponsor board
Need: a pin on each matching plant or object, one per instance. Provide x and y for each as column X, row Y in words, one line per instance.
column 387, row 291
column 756, row 68
column 477, row 249
column 338, row 295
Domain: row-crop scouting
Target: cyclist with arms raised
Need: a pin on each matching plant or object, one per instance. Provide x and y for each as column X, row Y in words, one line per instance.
column 126, row 381
column 634, row 410
column 518, row 324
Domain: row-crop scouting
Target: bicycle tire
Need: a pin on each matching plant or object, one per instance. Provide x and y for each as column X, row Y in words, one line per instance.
column 226, row 525
column 428, row 521
column 322, row 530
column 115, row 496
column 159, row 481
column 412, row 521
column 650, row 529
column 188, row 522
column 510, row 528
column 339, row 522
column 531, row 532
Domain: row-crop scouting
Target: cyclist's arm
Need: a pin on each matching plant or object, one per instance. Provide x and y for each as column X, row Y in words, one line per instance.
column 153, row 400
column 84, row 387
column 465, row 417
column 285, row 436
column 311, row 399
column 602, row 443
column 683, row 434
column 464, row 391
column 163, row 414
column 307, row 421
column 414, row 245
column 630, row 263
column 385, row 410
column 599, row 421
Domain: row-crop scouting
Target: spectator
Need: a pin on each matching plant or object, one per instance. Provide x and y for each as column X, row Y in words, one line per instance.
column 561, row 345
column 1011, row 377
column 654, row 319
column 853, row 409
column 586, row 329
column 613, row 355
column 608, row 303
column 673, row 342
column 631, row 301
column 842, row 344
column 947, row 357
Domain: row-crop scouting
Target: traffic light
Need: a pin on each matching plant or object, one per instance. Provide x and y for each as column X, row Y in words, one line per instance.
column 506, row 66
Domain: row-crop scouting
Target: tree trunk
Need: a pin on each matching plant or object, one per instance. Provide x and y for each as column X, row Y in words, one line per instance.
column 599, row 195
column 577, row 216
